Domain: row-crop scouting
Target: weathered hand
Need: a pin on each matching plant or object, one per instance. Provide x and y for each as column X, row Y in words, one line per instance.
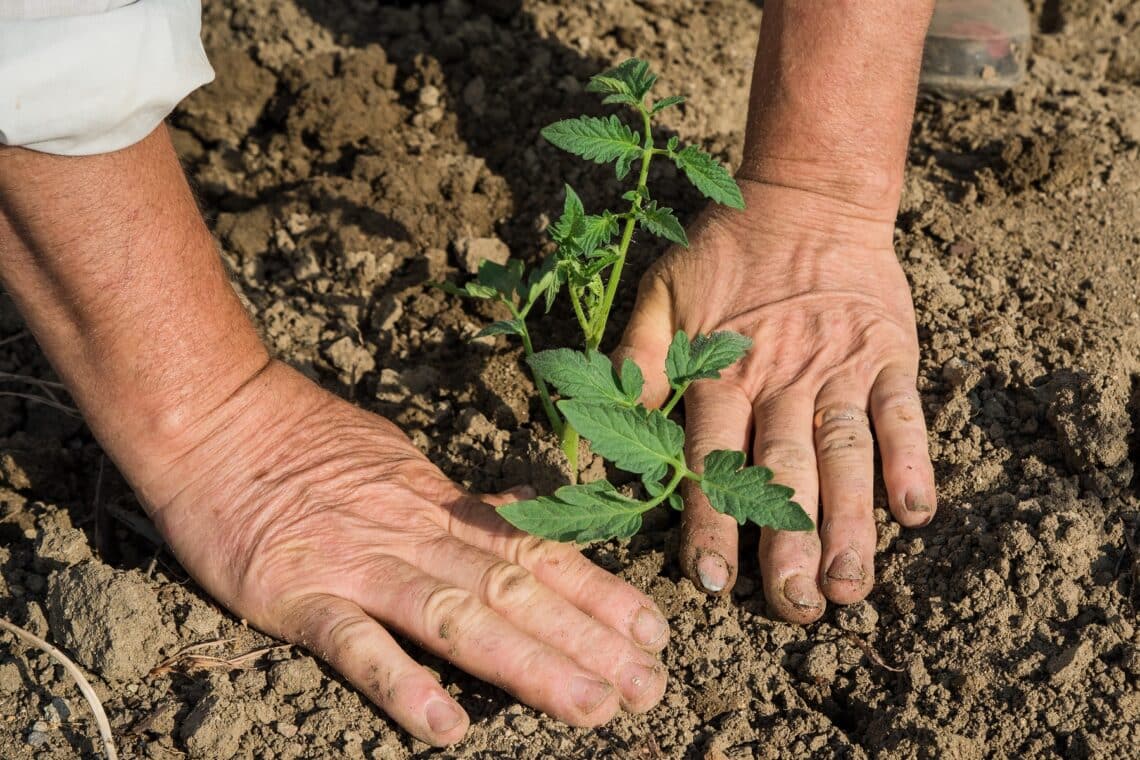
column 817, row 286
column 323, row 525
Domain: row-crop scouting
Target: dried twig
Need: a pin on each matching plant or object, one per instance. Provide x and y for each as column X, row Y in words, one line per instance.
column 188, row 659
column 81, row 680
column 872, row 655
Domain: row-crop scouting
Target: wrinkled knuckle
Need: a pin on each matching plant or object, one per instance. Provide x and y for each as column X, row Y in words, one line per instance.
column 506, row 585
column 342, row 637
column 841, row 430
column 900, row 406
column 532, row 551
column 783, row 456
column 447, row 608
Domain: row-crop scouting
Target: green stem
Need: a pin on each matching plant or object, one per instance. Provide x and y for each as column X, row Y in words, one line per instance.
column 676, row 397
column 543, row 392
column 574, row 299
column 594, row 337
column 680, row 472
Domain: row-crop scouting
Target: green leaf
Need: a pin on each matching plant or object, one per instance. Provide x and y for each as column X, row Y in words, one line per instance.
column 589, row 377
column 746, row 494
column 502, row 279
column 624, row 163
column 568, row 228
column 502, row 327
column 672, row 100
column 661, row 221
column 712, row 179
column 632, row 381
column 621, row 98
column 672, row 144
column 544, row 282
column 598, row 139
column 631, row 77
column 597, row 231
column 587, row 512
column 704, row 357
column 633, row 439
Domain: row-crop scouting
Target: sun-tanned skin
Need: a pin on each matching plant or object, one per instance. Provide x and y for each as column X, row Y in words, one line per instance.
column 809, row 272
column 321, row 523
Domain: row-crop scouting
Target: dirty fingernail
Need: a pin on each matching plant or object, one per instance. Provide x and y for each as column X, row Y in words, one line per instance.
column 442, row 716
column 846, row 567
column 588, row 693
column 800, row 590
column 521, row 493
column 648, row 627
column 713, row 572
column 636, row 678
column 917, row 502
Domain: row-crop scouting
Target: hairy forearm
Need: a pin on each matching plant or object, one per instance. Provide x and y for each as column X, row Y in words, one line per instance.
column 110, row 263
column 833, row 95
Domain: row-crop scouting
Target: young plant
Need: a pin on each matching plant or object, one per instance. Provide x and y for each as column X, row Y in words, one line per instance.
column 595, row 399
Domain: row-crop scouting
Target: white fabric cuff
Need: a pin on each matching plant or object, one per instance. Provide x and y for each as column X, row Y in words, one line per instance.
column 79, row 85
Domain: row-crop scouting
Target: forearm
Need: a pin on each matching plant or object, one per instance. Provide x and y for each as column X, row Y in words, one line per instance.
column 110, row 263
column 833, row 93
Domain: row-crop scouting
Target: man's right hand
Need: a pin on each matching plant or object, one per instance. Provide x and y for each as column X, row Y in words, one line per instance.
column 313, row 519
column 321, row 524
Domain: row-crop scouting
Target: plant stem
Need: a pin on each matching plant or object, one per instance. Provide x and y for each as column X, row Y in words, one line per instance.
column 679, row 474
column 574, row 299
column 543, row 392
column 676, row 397
column 594, row 338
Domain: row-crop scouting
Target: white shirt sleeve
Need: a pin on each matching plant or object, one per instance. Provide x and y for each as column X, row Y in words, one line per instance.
column 97, row 82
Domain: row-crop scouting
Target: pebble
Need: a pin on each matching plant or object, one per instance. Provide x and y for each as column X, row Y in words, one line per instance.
column 38, row 736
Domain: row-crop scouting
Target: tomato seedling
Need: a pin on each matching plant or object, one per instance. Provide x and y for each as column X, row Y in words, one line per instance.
column 596, row 399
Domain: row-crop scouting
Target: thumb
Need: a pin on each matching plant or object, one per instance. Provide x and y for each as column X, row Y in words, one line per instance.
column 647, row 337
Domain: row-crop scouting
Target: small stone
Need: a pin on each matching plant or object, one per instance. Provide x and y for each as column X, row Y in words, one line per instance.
column 288, row 730
column 57, row 711
column 37, row 737
column 859, row 617
column 473, row 251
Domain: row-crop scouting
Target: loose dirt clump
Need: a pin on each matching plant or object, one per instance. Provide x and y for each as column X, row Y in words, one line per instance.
column 350, row 152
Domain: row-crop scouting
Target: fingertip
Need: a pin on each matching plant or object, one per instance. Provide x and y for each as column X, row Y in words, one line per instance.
column 795, row 599
column 916, row 507
column 847, row 578
column 509, row 496
column 446, row 721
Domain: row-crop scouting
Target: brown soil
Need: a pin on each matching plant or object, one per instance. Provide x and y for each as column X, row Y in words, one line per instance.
column 349, row 152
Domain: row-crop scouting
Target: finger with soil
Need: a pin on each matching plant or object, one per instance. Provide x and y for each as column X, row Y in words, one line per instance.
column 789, row 560
column 900, row 429
column 845, row 454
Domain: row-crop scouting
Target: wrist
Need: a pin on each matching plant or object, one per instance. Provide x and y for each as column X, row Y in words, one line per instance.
column 854, row 188
column 800, row 214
